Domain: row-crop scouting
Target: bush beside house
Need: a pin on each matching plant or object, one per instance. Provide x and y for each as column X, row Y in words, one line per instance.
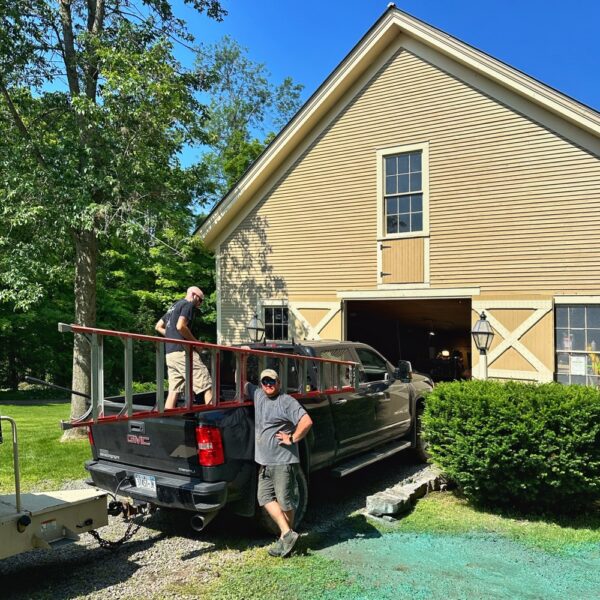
column 517, row 445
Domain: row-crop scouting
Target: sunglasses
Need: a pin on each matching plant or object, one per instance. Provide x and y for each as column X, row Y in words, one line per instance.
column 268, row 381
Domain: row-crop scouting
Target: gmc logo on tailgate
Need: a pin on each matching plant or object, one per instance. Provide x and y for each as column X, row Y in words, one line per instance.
column 140, row 440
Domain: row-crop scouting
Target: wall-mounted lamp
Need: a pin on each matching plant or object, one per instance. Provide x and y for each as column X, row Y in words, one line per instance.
column 256, row 329
column 483, row 334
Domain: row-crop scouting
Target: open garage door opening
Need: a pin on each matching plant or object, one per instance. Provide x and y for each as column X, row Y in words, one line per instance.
column 434, row 335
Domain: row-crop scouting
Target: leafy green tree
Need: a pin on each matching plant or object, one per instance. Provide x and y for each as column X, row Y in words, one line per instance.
column 245, row 110
column 94, row 109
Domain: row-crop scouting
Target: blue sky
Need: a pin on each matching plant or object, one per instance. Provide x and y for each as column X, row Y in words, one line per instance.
column 554, row 41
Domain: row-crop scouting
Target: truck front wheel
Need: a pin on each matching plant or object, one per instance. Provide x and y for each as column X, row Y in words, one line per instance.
column 420, row 450
column 267, row 524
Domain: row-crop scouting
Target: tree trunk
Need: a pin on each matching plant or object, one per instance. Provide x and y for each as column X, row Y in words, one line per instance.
column 13, row 372
column 86, row 260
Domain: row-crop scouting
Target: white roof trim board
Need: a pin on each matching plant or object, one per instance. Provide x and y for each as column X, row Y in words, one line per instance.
column 391, row 24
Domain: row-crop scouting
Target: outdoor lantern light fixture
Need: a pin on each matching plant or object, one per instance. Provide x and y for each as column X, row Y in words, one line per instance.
column 483, row 334
column 256, row 329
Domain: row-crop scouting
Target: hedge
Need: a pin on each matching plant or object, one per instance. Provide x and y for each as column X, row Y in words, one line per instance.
column 517, row 445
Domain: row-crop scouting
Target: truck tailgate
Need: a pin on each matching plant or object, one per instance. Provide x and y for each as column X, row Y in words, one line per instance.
column 162, row 444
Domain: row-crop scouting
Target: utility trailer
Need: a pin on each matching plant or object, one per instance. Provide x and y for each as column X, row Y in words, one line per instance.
column 44, row 520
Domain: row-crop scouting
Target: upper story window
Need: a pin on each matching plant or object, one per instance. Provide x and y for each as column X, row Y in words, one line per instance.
column 276, row 323
column 403, row 191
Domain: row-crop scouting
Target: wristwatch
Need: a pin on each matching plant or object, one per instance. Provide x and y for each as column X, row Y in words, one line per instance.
column 291, row 438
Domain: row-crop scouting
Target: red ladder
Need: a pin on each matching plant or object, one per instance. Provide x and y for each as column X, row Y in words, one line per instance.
column 341, row 376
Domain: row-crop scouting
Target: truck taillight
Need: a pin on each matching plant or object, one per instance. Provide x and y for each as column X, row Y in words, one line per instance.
column 90, row 436
column 210, row 446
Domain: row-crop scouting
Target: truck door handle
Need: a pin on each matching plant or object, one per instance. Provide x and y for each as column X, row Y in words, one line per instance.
column 339, row 401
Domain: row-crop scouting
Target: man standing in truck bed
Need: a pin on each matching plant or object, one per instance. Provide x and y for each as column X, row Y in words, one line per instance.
column 176, row 324
column 280, row 423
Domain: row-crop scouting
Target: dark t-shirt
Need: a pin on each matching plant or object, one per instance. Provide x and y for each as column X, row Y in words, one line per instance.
column 272, row 415
column 181, row 308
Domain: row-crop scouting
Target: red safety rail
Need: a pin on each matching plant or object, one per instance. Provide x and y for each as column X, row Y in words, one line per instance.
column 96, row 413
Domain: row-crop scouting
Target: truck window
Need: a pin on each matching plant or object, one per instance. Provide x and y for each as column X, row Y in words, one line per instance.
column 337, row 354
column 374, row 366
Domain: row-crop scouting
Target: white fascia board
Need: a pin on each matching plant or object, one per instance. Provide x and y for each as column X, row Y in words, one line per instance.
column 409, row 293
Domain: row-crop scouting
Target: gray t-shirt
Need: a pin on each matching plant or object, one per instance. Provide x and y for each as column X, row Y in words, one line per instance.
column 272, row 415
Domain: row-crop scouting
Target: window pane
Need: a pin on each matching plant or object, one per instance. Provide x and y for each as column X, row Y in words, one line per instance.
column 268, row 315
column 577, row 316
column 392, row 224
column 578, row 379
column 416, row 222
column 390, row 184
column 391, row 206
column 416, row 203
column 284, row 315
column 563, row 379
column 390, row 165
column 403, row 163
column 415, row 161
column 277, row 314
column 284, row 332
column 415, row 181
column 562, row 362
column 578, row 337
column 563, row 339
column 402, row 184
column 403, row 223
column 593, row 316
column 404, row 204
column 269, row 332
column 593, row 340
column 562, row 316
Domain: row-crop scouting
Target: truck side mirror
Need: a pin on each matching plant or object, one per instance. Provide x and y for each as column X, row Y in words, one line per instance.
column 404, row 371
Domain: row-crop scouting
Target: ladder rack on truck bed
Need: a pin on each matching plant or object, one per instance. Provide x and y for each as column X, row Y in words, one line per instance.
column 315, row 376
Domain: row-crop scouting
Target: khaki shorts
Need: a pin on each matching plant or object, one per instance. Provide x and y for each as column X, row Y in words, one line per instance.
column 278, row 482
column 177, row 374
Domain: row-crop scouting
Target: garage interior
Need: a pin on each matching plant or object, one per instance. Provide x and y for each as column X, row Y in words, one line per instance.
column 434, row 335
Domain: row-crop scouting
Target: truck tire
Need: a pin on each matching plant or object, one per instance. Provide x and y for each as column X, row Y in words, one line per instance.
column 268, row 525
column 421, row 446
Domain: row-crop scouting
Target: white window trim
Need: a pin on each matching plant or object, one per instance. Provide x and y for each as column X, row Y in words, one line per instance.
column 576, row 299
column 383, row 152
column 275, row 303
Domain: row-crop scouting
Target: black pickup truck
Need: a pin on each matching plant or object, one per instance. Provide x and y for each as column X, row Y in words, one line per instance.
column 203, row 461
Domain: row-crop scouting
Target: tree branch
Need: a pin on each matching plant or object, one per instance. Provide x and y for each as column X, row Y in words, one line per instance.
column 20, row 125
column 95, row 24
column 69, row 47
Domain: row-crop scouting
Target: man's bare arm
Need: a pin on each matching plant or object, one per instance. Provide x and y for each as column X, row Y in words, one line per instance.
column 160, row 327
column 301, row 431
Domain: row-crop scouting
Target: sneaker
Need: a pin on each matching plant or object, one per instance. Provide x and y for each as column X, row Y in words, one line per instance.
column 276, row 549
column 288, row 541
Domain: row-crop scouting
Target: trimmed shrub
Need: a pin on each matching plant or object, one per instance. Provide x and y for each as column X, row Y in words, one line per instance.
column 517, row 445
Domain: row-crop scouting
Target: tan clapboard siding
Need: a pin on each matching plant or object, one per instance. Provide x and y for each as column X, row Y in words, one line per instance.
column 512, row 205
column 403, row 261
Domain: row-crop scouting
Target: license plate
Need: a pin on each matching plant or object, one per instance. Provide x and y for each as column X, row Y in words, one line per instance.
column 145, row 482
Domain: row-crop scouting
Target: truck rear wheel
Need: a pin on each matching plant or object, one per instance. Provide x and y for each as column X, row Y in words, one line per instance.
column 267, row 524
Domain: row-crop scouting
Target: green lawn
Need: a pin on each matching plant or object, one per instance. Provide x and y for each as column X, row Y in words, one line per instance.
column 46, row 463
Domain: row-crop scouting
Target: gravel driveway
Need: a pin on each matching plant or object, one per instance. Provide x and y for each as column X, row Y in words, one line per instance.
column 166, row 551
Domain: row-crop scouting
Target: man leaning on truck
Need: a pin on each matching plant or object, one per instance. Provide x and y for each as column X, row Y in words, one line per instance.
column 175, row 324
column 280, row 423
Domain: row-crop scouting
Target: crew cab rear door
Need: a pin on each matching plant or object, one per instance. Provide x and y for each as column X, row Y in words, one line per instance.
column 353, row 412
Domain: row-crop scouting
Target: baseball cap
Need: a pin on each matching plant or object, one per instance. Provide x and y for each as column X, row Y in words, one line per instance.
column 269, row 373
